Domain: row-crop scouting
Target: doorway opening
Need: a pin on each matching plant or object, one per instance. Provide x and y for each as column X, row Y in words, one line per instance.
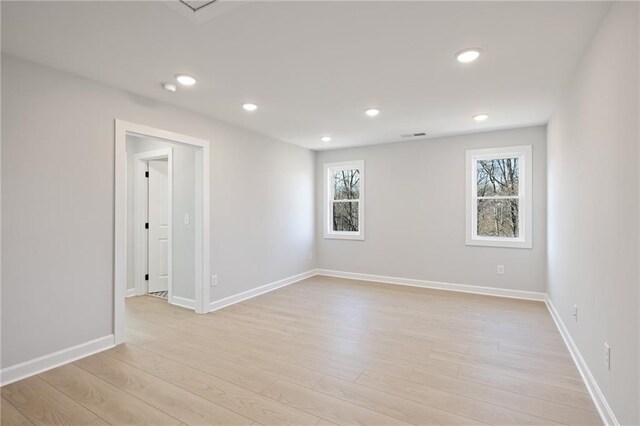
column 161, row 219
column 152, row 241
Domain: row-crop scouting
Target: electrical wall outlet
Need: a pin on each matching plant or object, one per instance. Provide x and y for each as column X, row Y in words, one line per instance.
column 575, row 313
column 500, row 270
column 607, row 356
column 214, row 280
column 187, row 219
column 310, row 257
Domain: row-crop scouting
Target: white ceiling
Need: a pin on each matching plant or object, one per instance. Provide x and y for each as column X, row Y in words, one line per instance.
column 314, row 67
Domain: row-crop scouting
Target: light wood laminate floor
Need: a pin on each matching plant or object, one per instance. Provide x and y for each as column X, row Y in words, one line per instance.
column 323, row 351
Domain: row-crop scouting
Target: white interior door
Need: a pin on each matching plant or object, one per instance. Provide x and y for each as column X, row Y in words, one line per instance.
column 158, row 226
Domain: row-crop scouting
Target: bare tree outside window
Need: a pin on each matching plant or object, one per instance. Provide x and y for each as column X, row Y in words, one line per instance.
column 346, row 203
column 344, row 197
column 498, row 184
column 499, row 197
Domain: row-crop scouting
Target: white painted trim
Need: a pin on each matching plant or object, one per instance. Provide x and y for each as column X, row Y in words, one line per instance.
column 120, row 231
column 203, row 230
column 184, row 302
column 489, row 291
column 525, row 240
column 122, row 128
column 599, row 400
column 237, row 298
column 47, row 362
column 465, row 288
column 140, row 216
column 38, row 365
column 329, row 233
column 132, row 292
column 603, row 407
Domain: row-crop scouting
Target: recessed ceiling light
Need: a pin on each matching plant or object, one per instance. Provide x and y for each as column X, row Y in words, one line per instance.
column 185, row 80
column 250, row 107
column 480, row 117
column 169, row 87
column 326, row 139
column 372, row 112
column 468, row 55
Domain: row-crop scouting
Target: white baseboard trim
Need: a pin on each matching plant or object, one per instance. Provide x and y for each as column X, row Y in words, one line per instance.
column 183, row 302
column 607, row 415
column 605, row 411
column 47, row 362
column 131, row 292
column 236, row 298
column 465, row 288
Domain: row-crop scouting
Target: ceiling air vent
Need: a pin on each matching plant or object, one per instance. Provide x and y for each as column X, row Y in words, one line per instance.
column 196, row 5
column 413, row 135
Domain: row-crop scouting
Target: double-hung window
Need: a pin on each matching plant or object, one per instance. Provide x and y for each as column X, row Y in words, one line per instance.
column 499, row 197
column 344, row 200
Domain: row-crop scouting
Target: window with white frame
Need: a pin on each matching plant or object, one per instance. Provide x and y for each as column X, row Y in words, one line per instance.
column 344, row 200
column 499, row 197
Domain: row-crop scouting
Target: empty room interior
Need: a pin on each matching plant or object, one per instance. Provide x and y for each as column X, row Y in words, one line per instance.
column 320, row 212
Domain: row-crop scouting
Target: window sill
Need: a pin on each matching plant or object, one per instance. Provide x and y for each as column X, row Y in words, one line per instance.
column 500, row 243
column 330, row 236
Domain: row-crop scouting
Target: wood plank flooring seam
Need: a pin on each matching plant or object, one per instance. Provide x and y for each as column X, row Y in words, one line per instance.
column 205, row 373
column 508, row 407
column 403, row 398
column 169, row 385
column 96, row 414
column 322, row 352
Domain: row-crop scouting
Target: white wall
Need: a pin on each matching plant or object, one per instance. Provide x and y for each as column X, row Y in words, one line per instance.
column 184, row 202
column 58, row 201
column 415, row 214
column 593, row 209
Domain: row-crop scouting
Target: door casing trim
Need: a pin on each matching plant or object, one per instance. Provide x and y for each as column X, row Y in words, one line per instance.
column 202, row 219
